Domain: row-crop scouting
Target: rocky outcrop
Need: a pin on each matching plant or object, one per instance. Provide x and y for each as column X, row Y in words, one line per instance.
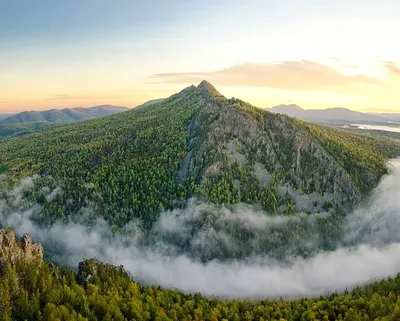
column 87, row 270
column 274, row 150
column 12, row 250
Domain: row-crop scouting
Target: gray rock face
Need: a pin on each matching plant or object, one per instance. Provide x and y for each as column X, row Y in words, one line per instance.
column 11, row 250
column 86, row 271
column 276, row 150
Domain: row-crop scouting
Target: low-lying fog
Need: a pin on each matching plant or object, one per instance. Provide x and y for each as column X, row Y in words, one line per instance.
column 278, row 257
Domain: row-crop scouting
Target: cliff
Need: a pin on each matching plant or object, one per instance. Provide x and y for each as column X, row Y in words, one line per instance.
column 13, row 250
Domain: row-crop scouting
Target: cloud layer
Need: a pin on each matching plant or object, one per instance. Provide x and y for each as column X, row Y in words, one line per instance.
column 369, row 248
column 290, row 75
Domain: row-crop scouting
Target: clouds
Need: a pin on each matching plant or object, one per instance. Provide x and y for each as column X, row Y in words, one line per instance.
column 290, row 75
column 369, row 249
column 93, row 96
column 393, row 69
column 366, row 84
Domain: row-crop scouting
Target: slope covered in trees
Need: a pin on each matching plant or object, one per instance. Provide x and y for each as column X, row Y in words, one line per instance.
column 21, row 129
column 196, row 143
column 35, row 290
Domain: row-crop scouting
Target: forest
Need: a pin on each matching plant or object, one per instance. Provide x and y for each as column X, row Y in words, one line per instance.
column 195, row 143
column 97, row 291
column 198, row 150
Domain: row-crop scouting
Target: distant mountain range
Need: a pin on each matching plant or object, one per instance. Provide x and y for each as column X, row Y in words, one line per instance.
column 4, row 116
column 66, row 115
column 333, row 115
column 390, row 116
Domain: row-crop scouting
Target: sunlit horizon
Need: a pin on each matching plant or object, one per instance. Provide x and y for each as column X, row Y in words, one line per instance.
column 316, row 54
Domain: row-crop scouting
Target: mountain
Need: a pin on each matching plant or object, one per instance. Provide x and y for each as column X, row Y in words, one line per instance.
column 329, row 115
column 64, row 115
column 389, row 116
column 197, row 143
column 96, row 291
column 150, row 102
column 4, row 116
column 195, row 189
column 290, row 110
column 20, row 129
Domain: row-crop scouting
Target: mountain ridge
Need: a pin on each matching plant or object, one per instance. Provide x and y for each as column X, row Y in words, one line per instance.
column 197, row 143
column 338, row 114
column 64, row 115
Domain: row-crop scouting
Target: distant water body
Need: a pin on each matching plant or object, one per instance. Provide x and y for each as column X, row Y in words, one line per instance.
column 378, row 127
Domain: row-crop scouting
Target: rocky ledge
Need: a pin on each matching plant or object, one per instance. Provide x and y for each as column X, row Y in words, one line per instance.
column 12, row 250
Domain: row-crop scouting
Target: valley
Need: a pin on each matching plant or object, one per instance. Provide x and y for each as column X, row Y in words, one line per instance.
column 199, row 160
column 93, row 290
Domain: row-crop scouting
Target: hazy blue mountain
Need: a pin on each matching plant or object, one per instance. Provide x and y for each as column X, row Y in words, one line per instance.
column 394, row 117
column 64, row 115
column 329, row 115
column 4, row 116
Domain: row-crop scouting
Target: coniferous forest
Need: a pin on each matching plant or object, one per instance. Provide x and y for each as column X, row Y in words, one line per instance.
column 195, row 147
column 96, row 291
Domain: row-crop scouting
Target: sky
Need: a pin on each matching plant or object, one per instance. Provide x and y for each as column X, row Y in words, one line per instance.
column 314, row 53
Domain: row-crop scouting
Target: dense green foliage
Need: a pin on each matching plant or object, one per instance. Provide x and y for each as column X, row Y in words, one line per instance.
column 21, row 129
column 195, row 143
column 246, row 144
column 374, row 132
column 357, row 154
column 128, row 163
column 103, row 292
column 137, row 163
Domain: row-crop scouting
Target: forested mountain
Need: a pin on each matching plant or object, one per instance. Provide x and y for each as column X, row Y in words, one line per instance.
column 196, row 143
column 64, row 115
column 21, row 129
column 193, row 147
column 35, row 290
column 150, row 102
column 376, row 132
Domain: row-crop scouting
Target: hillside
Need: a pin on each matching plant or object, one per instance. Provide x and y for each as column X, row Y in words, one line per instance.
column 150, row 102
column 4, row 116
column 97, row 291
column 21, row 129
column 329, row 115
column 374, row 132
column 196, row 143
column 64, row 115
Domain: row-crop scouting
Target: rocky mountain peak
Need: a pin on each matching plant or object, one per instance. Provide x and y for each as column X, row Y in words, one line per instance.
column 206, row 87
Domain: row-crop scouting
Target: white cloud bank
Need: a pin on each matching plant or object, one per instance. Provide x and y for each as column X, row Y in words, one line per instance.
column 371, row 248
